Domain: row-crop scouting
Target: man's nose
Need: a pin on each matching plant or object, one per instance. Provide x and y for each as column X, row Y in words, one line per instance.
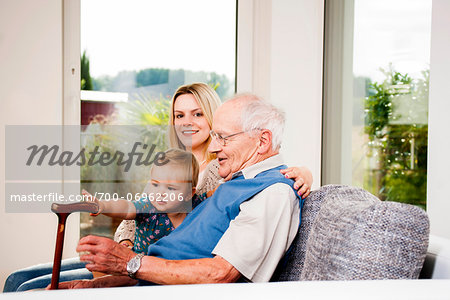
column 214, row 146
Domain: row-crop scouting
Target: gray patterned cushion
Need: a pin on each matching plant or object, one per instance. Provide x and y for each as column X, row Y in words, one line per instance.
column 349, row 234
column 291, row 271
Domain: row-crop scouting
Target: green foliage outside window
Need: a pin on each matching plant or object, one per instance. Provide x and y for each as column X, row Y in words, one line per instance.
column 396, row 114
column 86, row 80
column 130, row 81
column 152, row 76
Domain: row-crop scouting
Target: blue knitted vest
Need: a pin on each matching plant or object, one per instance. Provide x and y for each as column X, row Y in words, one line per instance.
column 202, row 229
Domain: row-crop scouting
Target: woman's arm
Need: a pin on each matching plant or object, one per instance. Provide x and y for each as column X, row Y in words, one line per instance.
column 303, row 179
column 119, row 208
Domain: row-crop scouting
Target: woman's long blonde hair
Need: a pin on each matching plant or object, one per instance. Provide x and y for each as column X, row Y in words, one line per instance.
column 208, row 100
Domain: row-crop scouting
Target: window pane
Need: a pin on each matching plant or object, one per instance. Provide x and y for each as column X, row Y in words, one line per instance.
column 135, row 54
column 388, row 99
column 154, row 46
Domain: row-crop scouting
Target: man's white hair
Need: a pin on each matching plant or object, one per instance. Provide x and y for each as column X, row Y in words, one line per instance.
column 259, row 114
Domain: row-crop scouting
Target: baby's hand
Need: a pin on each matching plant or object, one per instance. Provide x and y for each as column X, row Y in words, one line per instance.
column 126, row 243
column 210, row 193
column 90, row 198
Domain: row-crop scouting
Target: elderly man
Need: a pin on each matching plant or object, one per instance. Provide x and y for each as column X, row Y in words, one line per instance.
column 242, row 231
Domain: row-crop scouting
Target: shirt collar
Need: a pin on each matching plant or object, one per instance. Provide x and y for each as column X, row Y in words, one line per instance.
column 267, row 164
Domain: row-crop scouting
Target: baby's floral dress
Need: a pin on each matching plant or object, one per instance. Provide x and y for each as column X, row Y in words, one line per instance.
column 150, row 225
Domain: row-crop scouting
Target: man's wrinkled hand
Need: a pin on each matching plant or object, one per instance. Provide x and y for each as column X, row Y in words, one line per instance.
column 104, row 255
column 75, row 284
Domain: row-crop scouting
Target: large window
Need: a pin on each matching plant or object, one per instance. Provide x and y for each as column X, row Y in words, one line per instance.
column 135, row 54
column 376, row 96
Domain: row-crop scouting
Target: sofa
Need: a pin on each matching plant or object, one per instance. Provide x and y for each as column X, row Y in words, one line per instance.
column 437, row 261
column 349, row 234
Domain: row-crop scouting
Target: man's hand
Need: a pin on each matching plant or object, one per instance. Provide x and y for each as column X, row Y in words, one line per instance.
column 104, row 255
column 75, row 284
column 100, row 282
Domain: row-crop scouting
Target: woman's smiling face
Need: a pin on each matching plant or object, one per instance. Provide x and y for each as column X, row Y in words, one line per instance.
column 190, row 123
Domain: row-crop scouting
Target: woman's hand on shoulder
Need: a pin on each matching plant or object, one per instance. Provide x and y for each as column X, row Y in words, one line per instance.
column 303, row 179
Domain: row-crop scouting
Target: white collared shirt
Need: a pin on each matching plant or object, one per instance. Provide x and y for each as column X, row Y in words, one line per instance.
column 259, row 236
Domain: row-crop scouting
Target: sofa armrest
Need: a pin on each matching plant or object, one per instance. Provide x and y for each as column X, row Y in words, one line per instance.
column 437, row 261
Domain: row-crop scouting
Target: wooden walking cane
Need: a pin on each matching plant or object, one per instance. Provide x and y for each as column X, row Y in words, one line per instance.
column 63, row 211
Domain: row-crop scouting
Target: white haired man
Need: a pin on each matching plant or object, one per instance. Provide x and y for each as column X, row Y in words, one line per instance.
column 241, row 232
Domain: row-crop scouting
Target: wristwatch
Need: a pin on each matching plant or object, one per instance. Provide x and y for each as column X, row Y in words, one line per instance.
column 134, row 264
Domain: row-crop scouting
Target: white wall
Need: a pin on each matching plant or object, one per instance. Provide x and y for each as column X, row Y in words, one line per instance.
column 280, row 54
column 438, row 196
column 31, row 93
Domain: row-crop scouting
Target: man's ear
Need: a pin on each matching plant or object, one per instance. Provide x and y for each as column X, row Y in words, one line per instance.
column 265, row 141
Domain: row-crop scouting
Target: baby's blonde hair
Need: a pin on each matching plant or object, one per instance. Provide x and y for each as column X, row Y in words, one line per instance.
column 186, row 161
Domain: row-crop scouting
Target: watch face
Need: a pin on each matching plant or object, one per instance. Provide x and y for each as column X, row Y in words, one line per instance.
column 134, row 264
